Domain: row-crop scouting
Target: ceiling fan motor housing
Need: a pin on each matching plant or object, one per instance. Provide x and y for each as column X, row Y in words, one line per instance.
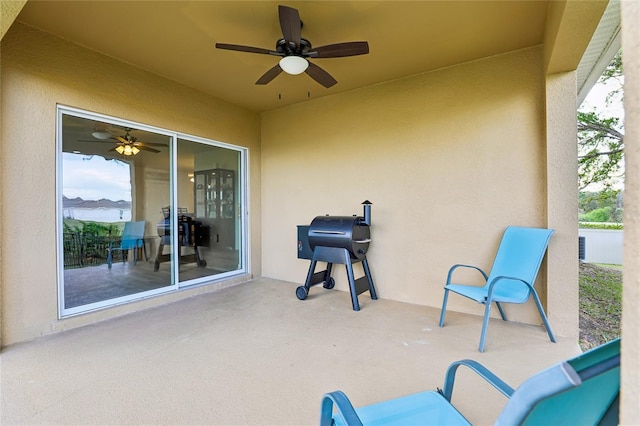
column 289, row 48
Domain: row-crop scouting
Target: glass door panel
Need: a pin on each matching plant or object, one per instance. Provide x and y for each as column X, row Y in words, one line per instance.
column 115, row 182
column 210, row 193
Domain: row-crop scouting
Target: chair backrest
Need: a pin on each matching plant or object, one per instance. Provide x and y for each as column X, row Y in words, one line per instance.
column 581, row 391
column 132, row 235
column 519, row 255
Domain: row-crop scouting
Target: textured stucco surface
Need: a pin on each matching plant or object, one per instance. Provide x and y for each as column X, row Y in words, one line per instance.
column 40, row 71
column 570, row 26
column 9, row 10
column 630, row 387
column 562, row 211
column 448, row 158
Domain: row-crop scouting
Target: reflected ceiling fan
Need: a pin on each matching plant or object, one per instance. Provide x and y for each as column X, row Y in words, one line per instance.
column 296, row 51
column 125, row 144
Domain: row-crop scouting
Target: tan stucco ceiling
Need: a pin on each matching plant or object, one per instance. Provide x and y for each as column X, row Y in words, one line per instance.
column 176, row 39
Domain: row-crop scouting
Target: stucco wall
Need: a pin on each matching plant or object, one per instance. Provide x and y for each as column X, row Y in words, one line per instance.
column 448, row 158
column 39, row 71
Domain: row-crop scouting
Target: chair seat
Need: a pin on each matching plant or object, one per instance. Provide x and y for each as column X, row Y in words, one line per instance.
column 475, row 293
column 479, row 294
column 422, row 408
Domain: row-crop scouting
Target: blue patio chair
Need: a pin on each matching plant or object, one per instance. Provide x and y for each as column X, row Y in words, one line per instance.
column 512, row 276
column 132, row 239
column 580, row 391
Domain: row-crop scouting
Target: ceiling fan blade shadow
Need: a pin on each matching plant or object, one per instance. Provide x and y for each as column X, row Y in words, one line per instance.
column 270, row 75
column 320, row 75
column 340, row 50
column 290, row 24
column 248, row 49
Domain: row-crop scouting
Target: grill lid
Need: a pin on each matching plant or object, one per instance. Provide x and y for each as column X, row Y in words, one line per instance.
column 348, row 232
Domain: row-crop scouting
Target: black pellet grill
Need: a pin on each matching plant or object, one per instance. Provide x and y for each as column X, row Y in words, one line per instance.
column 191, row 233
column 337, row 239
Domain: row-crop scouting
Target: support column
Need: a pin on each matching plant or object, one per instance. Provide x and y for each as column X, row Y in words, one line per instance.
column 630, row 379
column 562, row 204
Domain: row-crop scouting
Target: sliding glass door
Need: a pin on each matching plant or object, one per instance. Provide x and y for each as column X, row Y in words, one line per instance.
column 143, row 211
column 211, row 195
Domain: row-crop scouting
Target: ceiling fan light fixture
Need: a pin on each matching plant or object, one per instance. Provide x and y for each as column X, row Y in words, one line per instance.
column 294, row 65
column 127, row 150
column 101, row 134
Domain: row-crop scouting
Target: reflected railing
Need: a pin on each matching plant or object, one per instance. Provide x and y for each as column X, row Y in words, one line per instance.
column 85, row 249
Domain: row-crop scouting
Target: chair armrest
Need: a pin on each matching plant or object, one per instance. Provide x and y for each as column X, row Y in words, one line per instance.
column 454, row 267
column 344, row 407
column 504, row 277
column 481, row 370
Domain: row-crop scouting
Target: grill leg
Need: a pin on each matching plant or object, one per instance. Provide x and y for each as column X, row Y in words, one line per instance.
column 314, row 278
column 312, row 268
column 352, row 287
column 367, row 272
column 329, row 283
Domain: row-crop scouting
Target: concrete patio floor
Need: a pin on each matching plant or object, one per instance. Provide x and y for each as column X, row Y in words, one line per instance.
column 253, row 354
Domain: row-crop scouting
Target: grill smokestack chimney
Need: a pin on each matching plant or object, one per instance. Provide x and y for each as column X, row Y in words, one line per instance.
column 367, row 212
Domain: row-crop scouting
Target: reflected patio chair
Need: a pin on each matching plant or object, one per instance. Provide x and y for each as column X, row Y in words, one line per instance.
column 581, row 391
column 512, row 276
column 132, row 239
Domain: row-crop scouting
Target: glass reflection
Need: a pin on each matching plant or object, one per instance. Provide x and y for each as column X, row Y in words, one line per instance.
column 209, row 193
column 115, row 184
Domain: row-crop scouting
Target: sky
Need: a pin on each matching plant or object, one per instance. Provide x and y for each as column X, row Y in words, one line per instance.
column 596, row 99
column 93, row 178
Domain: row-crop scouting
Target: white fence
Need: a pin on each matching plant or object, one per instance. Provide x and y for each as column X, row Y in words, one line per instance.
column 602, row 245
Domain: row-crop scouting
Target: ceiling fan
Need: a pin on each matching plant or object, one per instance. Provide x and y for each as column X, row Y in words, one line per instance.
column 125, row 144
column 296, row 51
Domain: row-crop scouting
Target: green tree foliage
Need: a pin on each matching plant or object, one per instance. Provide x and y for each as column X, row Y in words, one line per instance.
column 92, row 228
column 598, row 215
column 601, row 138
column 603, row 206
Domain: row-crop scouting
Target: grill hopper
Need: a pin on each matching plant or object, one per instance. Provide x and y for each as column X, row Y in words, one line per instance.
column 347, row 232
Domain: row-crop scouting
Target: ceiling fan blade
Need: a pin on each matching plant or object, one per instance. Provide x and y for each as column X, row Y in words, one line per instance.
column 290, row 24
column 248, row 49
column 121, row 139
column 270, row 75
column 339, row 50
column 146, row 148
column 111, row 141
column 320, row 75
column 138, row 143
